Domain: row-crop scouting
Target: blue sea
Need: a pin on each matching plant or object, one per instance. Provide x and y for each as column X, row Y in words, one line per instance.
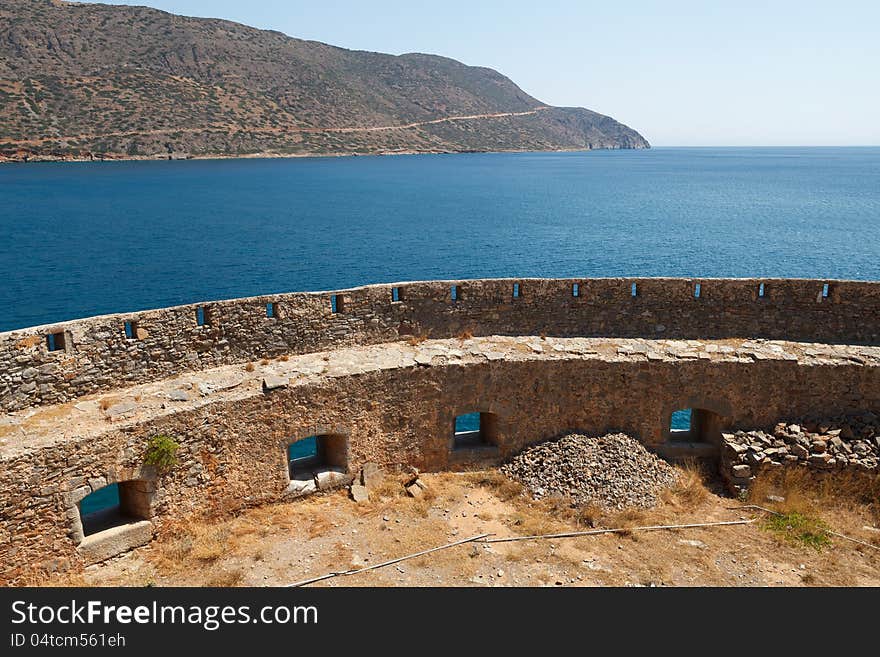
column 82, row 239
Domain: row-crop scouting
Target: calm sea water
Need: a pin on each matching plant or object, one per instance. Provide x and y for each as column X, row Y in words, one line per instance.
column 85, row 239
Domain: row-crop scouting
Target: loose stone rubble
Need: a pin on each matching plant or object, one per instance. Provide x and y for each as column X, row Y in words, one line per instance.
column 842, row 443
column 614, row 471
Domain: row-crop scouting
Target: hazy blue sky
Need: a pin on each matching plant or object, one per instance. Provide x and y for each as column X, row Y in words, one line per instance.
column 681, row 72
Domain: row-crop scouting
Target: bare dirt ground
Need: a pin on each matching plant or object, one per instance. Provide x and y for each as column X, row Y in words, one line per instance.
column 289, row 542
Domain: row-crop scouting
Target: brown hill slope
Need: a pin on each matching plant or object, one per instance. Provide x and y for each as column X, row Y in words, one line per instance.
column 80, row 80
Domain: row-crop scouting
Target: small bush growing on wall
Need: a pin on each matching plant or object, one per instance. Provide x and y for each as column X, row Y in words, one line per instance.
column 161, row 452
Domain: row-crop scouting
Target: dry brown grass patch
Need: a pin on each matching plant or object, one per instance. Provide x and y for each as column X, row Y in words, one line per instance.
column 627, row 519
column 466, row 334
column 588, row 515
column 547, row 516
column 500, row 485
column 803, row 491
column 846, row 502
column 224, row 578
column 689, row 491
column 250, row 367
column 209, row 543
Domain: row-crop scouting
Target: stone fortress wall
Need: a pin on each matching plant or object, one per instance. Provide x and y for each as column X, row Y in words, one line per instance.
column 386, row 374
column 96, row 354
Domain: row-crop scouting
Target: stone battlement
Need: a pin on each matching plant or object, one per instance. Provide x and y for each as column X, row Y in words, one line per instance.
column 60, row 362
column 380, row 374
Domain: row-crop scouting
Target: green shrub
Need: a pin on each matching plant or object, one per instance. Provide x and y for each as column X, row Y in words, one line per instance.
column 161, row 452
column 799, row 528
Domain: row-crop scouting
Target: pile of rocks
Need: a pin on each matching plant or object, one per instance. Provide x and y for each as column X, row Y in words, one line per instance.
column 614, row 471
column 843, row 443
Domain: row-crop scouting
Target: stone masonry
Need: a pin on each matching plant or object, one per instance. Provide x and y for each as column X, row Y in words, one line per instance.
column 845, row 443
column 97, row 355
column 388, row 384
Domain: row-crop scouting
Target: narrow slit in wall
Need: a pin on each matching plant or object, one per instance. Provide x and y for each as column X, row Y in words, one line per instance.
column 55, row 342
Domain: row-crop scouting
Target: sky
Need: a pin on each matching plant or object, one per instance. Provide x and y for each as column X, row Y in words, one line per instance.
column 683, row 73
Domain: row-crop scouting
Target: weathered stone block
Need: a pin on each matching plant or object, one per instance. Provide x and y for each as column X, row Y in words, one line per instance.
column 371, row 475
column 360, row 493
column 116, row 540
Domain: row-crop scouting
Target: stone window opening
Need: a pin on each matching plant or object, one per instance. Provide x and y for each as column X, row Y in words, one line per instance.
column 202, row 316
column 131, row 330
column 270, row 310
column 477, row 429
column 825, row 290
column 693, row 425
column 634, row 290
column 396, row 294
column 56, row 341
column 317, row 462
column 113, row 519
column 575, row 290
column 516, row 291
column 697, row 290
column 761, row 291
column 114, row 505
column 337, row 304
column 453, row 292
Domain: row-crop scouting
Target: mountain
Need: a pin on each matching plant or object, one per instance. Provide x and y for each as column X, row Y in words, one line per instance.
column 85, row 80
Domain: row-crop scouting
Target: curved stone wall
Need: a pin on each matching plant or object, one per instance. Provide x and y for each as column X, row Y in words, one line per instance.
column 101, row 353
column 236, row 392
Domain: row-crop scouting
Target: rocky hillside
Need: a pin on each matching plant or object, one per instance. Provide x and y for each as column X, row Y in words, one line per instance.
column 81, row 81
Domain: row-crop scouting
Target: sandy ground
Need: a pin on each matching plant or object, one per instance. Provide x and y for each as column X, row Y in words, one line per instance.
column 290, row 542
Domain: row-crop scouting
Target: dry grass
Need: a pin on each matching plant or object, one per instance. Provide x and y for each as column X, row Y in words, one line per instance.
column 283, row 358
column 589, row 515
column 551, row 515
column 503, row 487
column 250, row 367
column 808, row 505
column 265, row 361
column 628, row 519
column 194, row 545
column 266, row 543
column 466, row 334
column 689, row 491
column 803, row 492
column 224, row 578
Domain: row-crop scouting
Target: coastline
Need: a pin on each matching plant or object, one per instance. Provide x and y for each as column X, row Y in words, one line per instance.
column 268, row 155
